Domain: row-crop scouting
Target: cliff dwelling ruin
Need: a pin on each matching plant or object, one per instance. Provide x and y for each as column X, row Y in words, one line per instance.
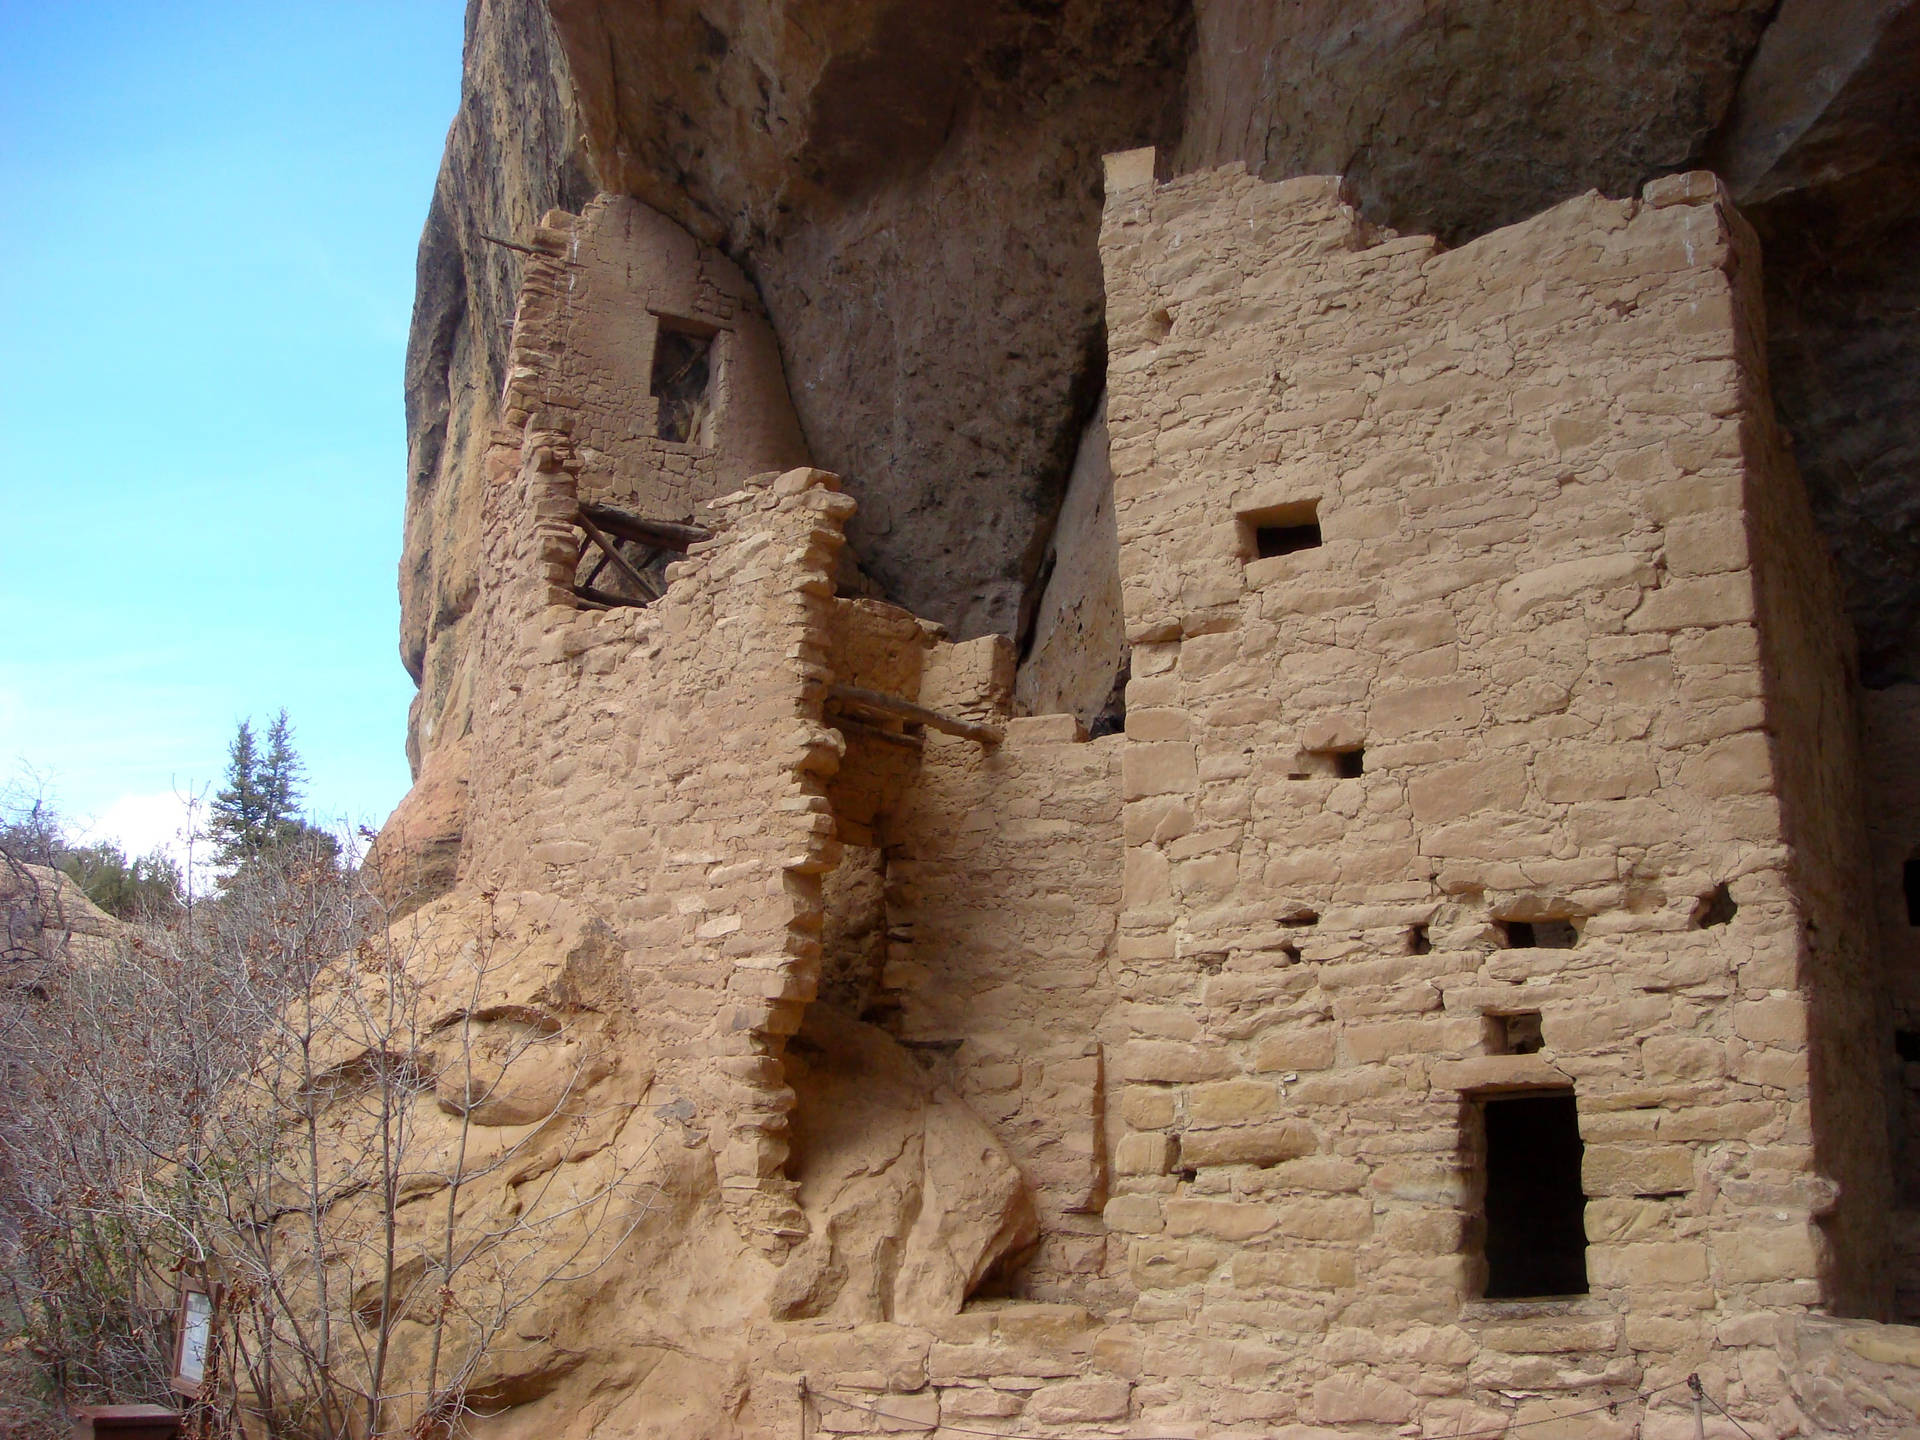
column 1436, row 1003
column 1201, row 716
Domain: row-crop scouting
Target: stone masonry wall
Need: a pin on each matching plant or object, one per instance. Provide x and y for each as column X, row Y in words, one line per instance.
column 1529, row 626
column 1004, row 882
column 668, row 764
column 590, row 314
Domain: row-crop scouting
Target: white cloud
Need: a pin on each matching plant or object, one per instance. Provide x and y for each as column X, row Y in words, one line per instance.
column 141, row 824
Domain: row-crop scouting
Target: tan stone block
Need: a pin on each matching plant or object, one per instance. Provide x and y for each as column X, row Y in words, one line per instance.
column 1171, row 1062
column 1043, row 730
column 1569, row 578
column 979, row 1402
column 1755, row 1254
column 1294, row 1050
column 1293, row 1269
column 878, row 1414
column 1682, row 604
column 1331, row 1219
column 1219, row 1219
column 1885, row 1344
column 1738, row 765
column 1570, row 773
column 1619, row 1220
column 1134, row 1215
column 1080, row 1401
column 1498, row 1072
column 1230, row 1101
column 1144, row 1153
column 1707, row 544
column 1167, row 1264
column 1147, row 1108
column 1551, row 1336
column 1160, row 723
column 1456, row 790
column 1363, row 1398
column 1366, row 1044
column 1777, row 1020
column 1568, row 1418
column 1319, row 1172
column 1636, row 1169
column 1680, row 1057
column 1448, row 705
column 1250, row 1145
column 1147, row 879
column 1659, row 1264
column 1656, row 1332
column 1158, row 768
column 1160, row 820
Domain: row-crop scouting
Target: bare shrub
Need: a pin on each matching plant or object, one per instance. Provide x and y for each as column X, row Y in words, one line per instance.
column 278, row 1093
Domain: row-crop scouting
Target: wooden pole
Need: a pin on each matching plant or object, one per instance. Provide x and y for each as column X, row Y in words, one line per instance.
column 893, row 706
column 660, row 534
column 874, row 732
column 644, row 585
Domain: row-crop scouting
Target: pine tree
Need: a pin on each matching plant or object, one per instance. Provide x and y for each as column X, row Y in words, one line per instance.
column 257, row 811
column 281, row 780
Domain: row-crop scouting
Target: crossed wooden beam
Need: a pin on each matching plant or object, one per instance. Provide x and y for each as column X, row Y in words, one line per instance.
column 604, row 526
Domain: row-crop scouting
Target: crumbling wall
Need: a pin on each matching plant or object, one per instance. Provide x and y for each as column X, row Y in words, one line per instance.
column 1525, row 623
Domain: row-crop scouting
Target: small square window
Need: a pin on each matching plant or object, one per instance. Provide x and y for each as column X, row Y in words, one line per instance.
column 1517, row 1033
column 1279, row 529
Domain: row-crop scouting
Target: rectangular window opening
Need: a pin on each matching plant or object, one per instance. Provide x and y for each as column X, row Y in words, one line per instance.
column 1910, row 883
column 1539, row 934
column 1279, row 529
column 682, row 381
column 1535, row 1210
column 1347, row 764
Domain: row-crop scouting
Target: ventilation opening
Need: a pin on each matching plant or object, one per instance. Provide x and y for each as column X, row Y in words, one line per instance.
column 1517, row 1033
column 1328, row 764
column 1539, row 934
column 1419, row 942
column 682, row 372
column 1112, row 718
column 1906, row 1044
column 1718, row 908
column 1910, row 883
column 1536, row 1239
column 1279, row 529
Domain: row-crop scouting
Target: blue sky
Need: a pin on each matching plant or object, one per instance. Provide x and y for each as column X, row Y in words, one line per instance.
column 206, row 271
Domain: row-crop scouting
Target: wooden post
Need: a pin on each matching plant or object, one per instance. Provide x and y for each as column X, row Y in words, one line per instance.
column 894, row 707
column 640, row 582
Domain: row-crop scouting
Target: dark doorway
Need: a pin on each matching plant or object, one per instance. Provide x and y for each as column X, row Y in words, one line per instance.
column 1536, row 1211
